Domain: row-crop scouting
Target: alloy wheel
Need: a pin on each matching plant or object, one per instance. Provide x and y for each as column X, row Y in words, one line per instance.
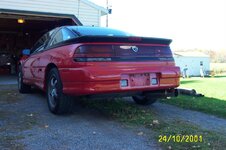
column 53, row 92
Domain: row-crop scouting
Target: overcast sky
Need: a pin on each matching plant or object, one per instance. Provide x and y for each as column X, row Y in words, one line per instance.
column 190, row 23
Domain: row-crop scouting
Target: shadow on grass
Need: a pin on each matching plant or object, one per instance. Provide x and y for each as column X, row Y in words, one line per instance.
column 120, row 109
column 189, row 81
column 207, row 105
column 218, row 76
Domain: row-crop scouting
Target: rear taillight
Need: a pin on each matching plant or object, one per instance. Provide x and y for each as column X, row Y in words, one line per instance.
column 88, row 53
column 122, row 52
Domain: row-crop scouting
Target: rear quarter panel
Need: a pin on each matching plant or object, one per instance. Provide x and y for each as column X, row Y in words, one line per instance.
column 60, row 57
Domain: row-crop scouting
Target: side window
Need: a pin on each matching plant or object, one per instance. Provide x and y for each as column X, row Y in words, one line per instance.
column 58, row 38
column 67, row 35
column 41, row 44
column 49, row 35
column 62, row 35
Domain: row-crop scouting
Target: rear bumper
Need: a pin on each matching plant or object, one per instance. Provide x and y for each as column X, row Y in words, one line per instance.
column 88, row 88
column 82, row 82
column 154, row 94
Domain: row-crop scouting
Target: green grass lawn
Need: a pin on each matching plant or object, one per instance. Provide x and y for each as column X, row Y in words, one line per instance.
column 214, row 100
column 213, row 87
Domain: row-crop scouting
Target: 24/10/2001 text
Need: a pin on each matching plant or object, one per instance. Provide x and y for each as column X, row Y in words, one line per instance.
column 180, row 138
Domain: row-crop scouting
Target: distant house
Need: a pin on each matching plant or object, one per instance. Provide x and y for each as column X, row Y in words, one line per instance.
column 193, row 60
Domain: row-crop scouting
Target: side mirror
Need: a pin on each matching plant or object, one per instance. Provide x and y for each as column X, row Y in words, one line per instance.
column 26, row 52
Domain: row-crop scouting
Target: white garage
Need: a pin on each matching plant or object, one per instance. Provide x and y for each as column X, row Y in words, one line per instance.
column 193, row 60
column 22, row 22
column 85, row 11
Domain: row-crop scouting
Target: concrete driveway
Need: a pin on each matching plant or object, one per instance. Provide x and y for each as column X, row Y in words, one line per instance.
column 8, row 79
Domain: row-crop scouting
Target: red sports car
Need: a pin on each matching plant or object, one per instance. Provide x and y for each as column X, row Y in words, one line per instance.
column 98, row 62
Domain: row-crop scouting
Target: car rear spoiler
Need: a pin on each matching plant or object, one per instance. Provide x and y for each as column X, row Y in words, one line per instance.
column 120, row 39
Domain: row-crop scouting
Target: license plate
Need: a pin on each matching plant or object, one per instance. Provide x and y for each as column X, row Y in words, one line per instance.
column 142, row 79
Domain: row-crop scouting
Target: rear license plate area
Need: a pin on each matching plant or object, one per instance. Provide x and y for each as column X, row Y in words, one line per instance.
column 142, row 79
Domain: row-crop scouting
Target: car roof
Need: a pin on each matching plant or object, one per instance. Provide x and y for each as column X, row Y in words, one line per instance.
column 97, row 34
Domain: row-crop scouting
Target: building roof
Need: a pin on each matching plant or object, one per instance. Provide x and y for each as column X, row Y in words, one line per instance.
column 103, row 10
column 190, row 54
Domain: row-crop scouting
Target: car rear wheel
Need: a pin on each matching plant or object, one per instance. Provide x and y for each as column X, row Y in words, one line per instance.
column 144, row 100
column 22, row 87
column 58, row 102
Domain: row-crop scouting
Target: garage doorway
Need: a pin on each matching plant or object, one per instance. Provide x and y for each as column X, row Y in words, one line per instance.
column 21, row 29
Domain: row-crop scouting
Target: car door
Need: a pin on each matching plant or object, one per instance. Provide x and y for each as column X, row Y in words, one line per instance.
column 30, row 64
column 43, row 58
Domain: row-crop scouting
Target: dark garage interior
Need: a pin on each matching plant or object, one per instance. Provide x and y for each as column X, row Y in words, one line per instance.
column 18, row 32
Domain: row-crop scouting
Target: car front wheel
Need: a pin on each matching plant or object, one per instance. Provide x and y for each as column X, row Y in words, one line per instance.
column 22, row 87
column 58, row 102
column 144, row 100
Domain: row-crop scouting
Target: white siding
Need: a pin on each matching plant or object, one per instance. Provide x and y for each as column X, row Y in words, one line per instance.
column 88, row 15
column 85, row 13
column 193, row 64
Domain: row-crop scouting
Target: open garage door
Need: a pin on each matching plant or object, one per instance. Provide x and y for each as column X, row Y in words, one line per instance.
column 21, row 29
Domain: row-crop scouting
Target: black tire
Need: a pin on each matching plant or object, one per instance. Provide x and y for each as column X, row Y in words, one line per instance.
column 58, row 102
column 22, row 87
column 144, row 100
